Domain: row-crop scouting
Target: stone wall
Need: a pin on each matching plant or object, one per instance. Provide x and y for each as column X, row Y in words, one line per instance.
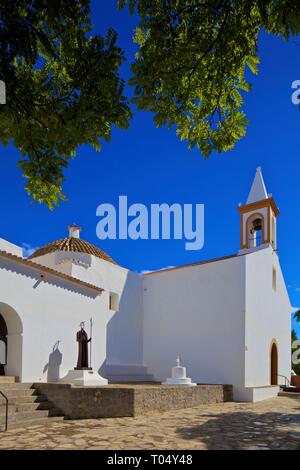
column 166, row 398
column 89, row 402
column 129, row 400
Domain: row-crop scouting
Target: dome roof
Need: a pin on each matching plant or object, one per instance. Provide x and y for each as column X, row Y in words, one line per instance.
column 72, row 244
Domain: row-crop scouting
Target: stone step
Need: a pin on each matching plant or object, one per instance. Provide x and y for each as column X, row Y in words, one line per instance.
column 291, row 389
column 32, row 422
column 19, row 392
column 28, row 399
column 3, row 404
column 289, row 394
column 7, row 379
column 11, row 409
column 16, row 386
column 27, row 415
column 21, row 416
column 27, row 407
column 44, row 405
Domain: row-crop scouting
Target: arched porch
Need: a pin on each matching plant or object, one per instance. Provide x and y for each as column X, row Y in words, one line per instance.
column 11, row 350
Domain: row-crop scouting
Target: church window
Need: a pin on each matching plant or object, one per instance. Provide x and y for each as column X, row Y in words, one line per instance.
column 113, row 301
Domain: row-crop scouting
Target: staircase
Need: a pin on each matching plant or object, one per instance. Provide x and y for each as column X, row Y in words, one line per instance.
column 292, row 392
column 26, row 406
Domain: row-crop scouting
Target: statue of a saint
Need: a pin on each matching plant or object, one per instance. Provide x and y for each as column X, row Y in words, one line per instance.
column 83, row 356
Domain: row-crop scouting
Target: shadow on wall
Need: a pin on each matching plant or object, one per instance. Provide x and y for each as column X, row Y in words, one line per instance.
column 125, row 329
column 102, row 369
column 53, row 366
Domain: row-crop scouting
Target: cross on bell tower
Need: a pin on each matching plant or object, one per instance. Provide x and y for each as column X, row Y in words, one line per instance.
column 258, row 217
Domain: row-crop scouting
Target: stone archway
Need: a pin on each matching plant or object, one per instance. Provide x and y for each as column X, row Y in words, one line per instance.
column 274, row 363
column 14, row 340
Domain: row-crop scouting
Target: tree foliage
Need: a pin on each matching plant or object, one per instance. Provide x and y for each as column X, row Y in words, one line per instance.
column 63, row 83
column 294, row 335
column 193, row 57
column 63, row 87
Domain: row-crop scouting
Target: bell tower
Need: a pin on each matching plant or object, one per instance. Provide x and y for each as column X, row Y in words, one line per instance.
column 258, row 217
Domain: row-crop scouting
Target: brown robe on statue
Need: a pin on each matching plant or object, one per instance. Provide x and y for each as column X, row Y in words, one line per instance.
column 83, row 357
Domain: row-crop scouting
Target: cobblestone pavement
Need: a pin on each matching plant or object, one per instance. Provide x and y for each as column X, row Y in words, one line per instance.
column 270, row 424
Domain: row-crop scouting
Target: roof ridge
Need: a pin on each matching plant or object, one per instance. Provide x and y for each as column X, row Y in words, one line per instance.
column 198, row 263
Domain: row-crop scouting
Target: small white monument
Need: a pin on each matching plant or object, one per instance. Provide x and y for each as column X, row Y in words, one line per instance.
column 179, row 376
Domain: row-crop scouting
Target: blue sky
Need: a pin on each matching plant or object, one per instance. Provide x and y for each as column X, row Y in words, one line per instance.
column 151, row 165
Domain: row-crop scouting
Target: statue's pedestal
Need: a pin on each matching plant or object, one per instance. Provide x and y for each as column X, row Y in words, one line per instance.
column 179, row 377
column 83, row 378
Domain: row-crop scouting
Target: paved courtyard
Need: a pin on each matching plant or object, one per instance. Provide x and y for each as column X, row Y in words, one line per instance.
column 271, row 424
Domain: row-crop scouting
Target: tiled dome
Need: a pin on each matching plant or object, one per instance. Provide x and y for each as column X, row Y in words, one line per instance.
column 71, row 244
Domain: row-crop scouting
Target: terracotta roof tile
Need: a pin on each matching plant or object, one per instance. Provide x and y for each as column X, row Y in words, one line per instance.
column 70, row 244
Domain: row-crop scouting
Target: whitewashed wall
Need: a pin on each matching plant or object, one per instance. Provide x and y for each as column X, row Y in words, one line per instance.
column 268, row 316
column 10, row 248
column 220, row 317
column 197, row 312
column 125, row 328
column 39, row 314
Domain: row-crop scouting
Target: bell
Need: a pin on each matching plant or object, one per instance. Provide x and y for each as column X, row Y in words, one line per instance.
column 256, row 225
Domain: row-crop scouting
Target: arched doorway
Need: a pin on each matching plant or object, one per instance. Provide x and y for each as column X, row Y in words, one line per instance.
column 11, row 329
column 3, row 344
column 274, row 363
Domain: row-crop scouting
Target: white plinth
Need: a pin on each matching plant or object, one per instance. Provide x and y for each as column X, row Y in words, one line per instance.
column 187, row 382
column 83, row 378
column 179, row 377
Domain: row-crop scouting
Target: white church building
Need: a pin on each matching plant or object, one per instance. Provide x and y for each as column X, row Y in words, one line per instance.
column 228, row 318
